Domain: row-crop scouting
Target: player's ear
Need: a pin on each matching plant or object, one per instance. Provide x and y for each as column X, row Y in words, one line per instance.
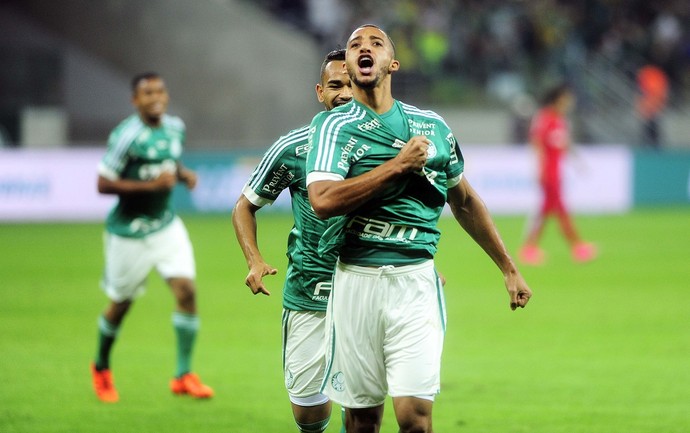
column 394, row 66
column 319, row 93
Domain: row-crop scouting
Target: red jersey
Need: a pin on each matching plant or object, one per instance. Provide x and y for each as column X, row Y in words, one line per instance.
column 549, row 131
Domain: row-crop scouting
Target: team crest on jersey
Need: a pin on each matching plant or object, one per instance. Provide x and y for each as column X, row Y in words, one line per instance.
column 143, row 136
column 431, row 150
column 338, row 381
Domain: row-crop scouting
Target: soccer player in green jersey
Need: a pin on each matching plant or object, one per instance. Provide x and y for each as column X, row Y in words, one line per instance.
column 142, row 166
column 390, row 168
column 308, row 277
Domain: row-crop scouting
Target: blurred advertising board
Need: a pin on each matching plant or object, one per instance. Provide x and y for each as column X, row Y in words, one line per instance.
column 50, row 185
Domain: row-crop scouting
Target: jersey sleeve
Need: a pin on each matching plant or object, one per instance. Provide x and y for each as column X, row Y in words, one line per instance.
column 183, row 133
column 456, row 164
column 276, row 170
column 115, row 159
column 324, row 160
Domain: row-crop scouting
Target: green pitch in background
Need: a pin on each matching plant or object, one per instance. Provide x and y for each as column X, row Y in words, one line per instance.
column 602, row 347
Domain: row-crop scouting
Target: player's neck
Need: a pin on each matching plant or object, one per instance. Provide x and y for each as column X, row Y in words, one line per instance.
column 153, row 122
column 379, row 99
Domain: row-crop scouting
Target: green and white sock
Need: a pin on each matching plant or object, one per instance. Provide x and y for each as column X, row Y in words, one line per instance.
column 107, row 333
column 186, row 327
column 316, row 427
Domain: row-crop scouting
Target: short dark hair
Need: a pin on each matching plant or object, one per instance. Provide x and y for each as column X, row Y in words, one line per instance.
column 338, row 54
column 554, row 93
column 142, row 76
column 382, row 31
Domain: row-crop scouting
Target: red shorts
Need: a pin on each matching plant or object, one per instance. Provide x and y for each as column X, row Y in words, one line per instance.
column 552, row 197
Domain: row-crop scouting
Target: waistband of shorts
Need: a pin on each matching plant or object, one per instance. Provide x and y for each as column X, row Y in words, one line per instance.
column 387, row 269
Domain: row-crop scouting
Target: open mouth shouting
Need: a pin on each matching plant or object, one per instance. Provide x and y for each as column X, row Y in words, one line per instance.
column 365, row 64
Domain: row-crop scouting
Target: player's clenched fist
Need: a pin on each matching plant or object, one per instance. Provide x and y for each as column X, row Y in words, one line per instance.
column 413, row 154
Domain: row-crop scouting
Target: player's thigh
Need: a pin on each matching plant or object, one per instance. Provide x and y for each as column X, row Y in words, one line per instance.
column 173, row 251
column 128, row 262
column 355, row 375
column 304, row 355
column 415, row 331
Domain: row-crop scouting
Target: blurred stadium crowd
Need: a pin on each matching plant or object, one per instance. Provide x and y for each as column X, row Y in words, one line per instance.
column 450, row 48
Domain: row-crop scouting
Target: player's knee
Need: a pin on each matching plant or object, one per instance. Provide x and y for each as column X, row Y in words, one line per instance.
column 314, row 427
column 416, row 426
column 185, row 292
column 414, row 415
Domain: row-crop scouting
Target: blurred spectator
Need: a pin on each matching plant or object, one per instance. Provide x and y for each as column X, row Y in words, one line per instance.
column 522, row 109
column 499, row 49
column 653, row 87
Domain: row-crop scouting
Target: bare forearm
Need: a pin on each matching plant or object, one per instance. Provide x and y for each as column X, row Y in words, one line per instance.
column 332, row 198
column 127, row 186
column 474, row 217
column 472, row 214
column 244, row 223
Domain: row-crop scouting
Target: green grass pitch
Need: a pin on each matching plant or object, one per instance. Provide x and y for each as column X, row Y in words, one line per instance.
column 602, row 348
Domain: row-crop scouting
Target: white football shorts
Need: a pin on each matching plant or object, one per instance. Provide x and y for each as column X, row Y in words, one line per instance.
column 386, row 328
column 128, row 261
column 304, row 356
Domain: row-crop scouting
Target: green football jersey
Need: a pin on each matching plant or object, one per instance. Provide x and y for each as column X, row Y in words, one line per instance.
column 308, row 277
column 140, row 152
column 400, row 225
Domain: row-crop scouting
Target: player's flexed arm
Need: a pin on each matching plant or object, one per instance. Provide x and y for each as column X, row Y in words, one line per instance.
column 166, row 181
column 471, row 212
column 332, row 198
column 244, row 221
column 187, row 176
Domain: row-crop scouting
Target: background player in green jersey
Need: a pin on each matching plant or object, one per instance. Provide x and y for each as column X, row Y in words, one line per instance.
column 390, row 168
column 308, row 277
column 142, row 166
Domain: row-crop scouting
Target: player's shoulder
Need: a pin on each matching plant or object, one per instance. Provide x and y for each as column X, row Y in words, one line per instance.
column 413, row 111
column 174, row 122
column 295, row 134
column 296, row 138
column 130, row 122
column 342, row 112
column 425, row 117
column 128, row 127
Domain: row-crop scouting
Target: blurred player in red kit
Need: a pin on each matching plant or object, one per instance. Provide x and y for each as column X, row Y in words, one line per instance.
column 550, row 138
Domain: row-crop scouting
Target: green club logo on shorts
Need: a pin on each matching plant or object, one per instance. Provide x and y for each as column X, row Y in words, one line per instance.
column 338, row 381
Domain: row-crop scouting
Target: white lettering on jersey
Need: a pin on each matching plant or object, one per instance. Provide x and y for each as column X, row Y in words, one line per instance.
column 152, row 171
column 280, row 180
column 368, row 126
column 421, row 128
column 347, row 153
column 368, row 227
